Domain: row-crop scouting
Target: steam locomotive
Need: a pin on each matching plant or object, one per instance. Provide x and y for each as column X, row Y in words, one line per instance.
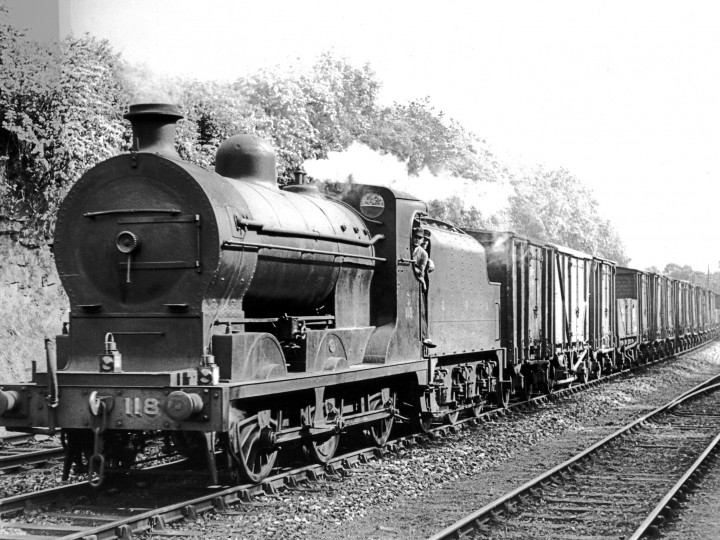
column 240, row 320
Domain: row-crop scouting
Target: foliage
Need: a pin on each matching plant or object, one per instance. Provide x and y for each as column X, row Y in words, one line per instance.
column 60, row 110
column 309, row 113
column 340, row 101
column 423, row 137
column 686, row 273
column 213, row 112
column 304, row 113
column 452, row 210
column 676, row 271
column 554, row 206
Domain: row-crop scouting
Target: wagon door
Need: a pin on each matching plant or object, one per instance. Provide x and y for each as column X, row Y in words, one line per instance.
column 670, row 327
column 579, row 306
column 535, row 304
column 604, row 304
column 644, row 308
column 657, row 308
column 561, row 302
column 628, row 293
column 682, row 308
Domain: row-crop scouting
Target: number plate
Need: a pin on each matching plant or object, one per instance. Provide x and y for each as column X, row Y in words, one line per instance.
column 139, row 408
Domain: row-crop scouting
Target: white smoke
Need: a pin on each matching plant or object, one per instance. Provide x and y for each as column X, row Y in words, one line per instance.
column 146, row 86
column 363, row 165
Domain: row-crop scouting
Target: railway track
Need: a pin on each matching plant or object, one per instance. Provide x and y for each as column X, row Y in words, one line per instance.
column 625, row 486
column 76, row 511
column 21, row 450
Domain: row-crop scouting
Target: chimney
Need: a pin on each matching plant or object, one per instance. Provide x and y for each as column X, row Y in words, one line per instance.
column 153, row 126
column 300, row 176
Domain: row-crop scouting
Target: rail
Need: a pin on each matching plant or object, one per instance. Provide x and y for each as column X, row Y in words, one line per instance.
column 508, row 503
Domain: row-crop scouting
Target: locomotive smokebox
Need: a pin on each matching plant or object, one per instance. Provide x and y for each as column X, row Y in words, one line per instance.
column 247, row 157
column 153, row 126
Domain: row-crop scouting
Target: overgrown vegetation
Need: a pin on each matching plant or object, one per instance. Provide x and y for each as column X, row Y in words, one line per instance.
column 61, row 112
column 32, row 303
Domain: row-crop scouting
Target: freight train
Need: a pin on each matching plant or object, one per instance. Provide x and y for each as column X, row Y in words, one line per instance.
column 238, row 319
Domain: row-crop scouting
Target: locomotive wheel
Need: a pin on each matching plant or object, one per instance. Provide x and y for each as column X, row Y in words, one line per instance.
column 379, row 431
column 425, row 423
column 251, row 448
column 122, row 450
column 322, row 451
column 476, row 410
column 78, row 445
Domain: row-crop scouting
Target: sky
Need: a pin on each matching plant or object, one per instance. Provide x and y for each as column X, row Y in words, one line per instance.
column 623, row 94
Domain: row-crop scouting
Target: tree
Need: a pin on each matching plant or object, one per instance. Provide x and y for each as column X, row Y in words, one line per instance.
column 452, row 210
column 340, row 101
column 213, row 112
column 676, row 271
column 425, row 138
column 307, row 113
column 60, row 113
column 554, row 206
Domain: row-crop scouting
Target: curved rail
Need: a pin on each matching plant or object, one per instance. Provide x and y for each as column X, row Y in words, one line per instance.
column 477, row 519
column 650, row 526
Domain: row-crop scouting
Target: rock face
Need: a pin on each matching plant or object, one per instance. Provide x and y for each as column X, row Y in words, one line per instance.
column 32, row 303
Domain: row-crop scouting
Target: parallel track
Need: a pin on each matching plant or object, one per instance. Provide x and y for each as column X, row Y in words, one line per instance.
column 624, row 486
column 21, row 450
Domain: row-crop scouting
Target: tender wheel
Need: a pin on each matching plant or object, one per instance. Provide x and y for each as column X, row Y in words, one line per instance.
column 503, row 395
column 476, row 410
column 379, row 432
column 422, row 421
column 251, row 447
column 528, row 388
